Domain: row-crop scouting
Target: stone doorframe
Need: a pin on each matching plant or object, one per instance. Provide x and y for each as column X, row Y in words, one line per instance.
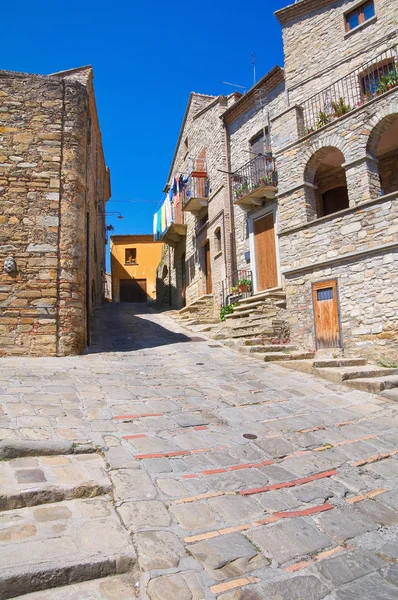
column 271, row 207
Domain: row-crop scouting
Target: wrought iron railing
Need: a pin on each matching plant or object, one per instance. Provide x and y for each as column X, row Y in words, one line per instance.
column 258, row 172
column 239, row 285
column 371, row 79
column 196, row 187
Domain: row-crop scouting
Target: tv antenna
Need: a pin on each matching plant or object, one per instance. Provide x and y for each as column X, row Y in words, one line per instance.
column 235, row 85
column 253, row 61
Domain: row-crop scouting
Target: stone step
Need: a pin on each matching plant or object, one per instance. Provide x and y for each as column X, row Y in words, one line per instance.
column 35, row 480
column 390, row 394
column 63, row 543
column 107, row 588
column 239, row 315
column 268, row 348
column 271, row 293
column 283, row 356
column 239, row 334
column 305, row 366
column 374, row 385
column 343, row 374
column 254, row 341
column 339, row 362
column 199, row 301
column 253, row 306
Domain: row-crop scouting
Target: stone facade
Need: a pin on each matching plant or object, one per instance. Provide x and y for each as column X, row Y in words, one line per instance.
column 356, row 246
column 202, row 137
column 53, row 187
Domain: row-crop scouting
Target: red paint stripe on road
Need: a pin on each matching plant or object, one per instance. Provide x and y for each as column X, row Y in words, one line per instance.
column 142, row 416
column 153, row 455
column 295, row 482
column 134, row 437
column 303, row 513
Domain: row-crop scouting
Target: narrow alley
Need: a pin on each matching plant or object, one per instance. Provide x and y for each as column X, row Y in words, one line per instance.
column 166, row 466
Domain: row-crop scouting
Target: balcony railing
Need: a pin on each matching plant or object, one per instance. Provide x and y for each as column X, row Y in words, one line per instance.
column 368, row 81
column 254, row 177
column 236, row 287
column 195, row 193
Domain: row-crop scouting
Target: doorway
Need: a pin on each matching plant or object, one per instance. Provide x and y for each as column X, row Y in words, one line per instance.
column 209, row 285
column 326, row 314
column 265, row 249
column 132, row 290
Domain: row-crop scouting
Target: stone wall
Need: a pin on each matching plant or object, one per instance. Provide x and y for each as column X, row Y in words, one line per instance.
column 202, row 132
column 318, row 50
column 368, row 302
column 243, row 124
column 45, row 193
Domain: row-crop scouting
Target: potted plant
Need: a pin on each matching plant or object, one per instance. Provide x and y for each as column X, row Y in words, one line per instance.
column 323, row 119
column 340, row 108
column 235, row 289
column 244, row 285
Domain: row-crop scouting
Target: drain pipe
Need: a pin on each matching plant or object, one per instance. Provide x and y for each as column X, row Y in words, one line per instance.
column 229, row 204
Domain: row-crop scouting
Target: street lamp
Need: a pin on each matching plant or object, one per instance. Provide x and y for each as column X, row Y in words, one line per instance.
column 119, row 215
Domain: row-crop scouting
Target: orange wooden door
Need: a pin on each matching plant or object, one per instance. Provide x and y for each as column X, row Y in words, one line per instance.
column 209, row 285
column 326, row 310
column 264, row 235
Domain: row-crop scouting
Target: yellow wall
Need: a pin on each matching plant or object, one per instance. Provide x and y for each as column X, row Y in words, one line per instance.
column 148, row 257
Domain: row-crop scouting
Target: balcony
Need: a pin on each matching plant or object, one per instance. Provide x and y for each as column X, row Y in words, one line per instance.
column 196, row 193
column 177, row 230
column 255, row 181
column 368, row 81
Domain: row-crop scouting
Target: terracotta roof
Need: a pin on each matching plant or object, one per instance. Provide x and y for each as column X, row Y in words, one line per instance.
column 299, row 9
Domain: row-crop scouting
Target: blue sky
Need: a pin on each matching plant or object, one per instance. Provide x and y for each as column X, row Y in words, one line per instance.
column 147, row 58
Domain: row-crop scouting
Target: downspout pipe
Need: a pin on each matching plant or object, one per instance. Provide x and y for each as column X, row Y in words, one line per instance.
column 229, row 203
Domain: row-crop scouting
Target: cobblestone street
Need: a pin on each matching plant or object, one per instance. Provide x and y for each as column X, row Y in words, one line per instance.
column 220, row 476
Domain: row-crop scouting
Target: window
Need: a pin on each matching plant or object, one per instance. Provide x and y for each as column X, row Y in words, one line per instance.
column 378, row 77
column 217, row 235
column 259, row 143
column 130, row 256
column 359, row 15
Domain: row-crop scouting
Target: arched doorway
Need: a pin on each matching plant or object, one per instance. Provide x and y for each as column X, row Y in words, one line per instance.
column 328, row 190
column 383, row 144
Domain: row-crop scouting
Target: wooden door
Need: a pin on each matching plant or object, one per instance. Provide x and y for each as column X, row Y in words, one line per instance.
column 132, row 290
column 266, row 267
column 209, row 285
column 326, row 311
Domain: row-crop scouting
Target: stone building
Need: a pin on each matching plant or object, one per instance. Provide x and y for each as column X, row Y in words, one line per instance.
column 198, row 255
column 134, row 260
column 53, row 189
column 336, row 150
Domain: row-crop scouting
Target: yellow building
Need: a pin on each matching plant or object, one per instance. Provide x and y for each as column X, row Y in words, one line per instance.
column 134, row 259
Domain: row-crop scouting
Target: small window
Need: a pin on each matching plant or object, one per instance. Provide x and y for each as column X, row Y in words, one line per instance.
column 217, row 235
column 325, row 294
column 130, row 256
column 359, row 15
column 259, row 143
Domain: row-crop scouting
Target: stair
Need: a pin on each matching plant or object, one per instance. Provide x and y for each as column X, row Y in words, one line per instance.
column 59, row 527
column 354, row 372
column 201, row 311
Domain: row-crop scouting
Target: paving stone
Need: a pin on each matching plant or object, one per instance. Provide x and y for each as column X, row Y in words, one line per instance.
column 158, row 550
column 236, row 509
column 119, row 458
column 181, row 586
column 305, row 587
column 186, row 419
column 390, row 499
column 310, row 492
column 150, row 513
column 72, row 548
column 120, row 587
column 30, row 476
column 276, row 447
column 194, row 516
column 390, row 550
column 391, row 574
column 132, row 484
column 346, row 523
column 172, row 487
column 370, row 587
column 276, row 474
column 157, row 465
column 277, row 500
column 349, row 566
column 388, row 468
column 378, row 512
column 227, row 556
column 289, row 539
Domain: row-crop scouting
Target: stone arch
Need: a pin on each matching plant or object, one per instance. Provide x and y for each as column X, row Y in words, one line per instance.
column 325, row 181
column 382, row 145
